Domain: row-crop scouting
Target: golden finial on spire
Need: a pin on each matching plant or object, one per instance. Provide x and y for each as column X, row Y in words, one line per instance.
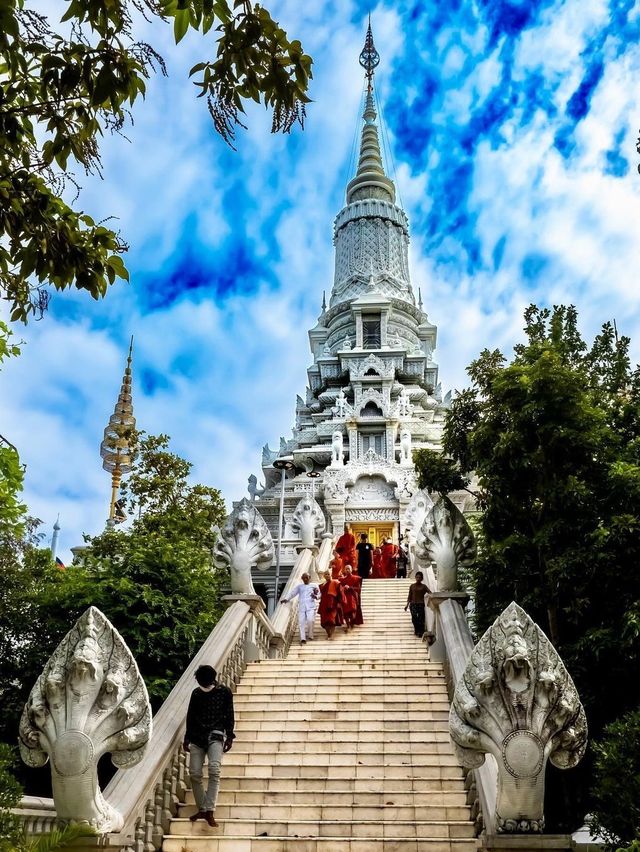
column 116, row 448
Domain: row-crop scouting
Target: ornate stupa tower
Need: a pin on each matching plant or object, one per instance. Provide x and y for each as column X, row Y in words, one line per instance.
column 116, row 448
column 373, row 394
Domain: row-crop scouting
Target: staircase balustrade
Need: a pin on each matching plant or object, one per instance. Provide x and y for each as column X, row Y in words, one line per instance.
column 149, row 794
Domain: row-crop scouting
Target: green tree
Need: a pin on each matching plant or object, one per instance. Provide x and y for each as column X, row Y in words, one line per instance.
column 10, row 795
column 438, row 473
column 60, row 93
column 616, row 789
column 154, row 581
column 554, row 439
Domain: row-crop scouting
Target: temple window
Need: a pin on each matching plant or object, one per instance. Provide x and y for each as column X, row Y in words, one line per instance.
column 371, row 338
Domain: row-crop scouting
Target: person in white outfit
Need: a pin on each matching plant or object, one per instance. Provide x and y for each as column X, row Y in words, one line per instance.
column 308, row 596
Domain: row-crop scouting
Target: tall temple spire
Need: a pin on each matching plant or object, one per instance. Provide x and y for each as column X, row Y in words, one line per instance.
column 116, row 448
column 370, row 180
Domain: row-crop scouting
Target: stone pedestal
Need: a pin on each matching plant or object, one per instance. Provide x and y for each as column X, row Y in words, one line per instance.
column 254, row 602
column 437, row 652
column 527, row 842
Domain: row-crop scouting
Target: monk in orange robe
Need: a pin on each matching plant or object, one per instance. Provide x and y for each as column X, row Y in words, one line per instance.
column 376, row 563
column 353, row 587
column 330, row 609
column 336, row 565
column 388, row 559
column 346, row 547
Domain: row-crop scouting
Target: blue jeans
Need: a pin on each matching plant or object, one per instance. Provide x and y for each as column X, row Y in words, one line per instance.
column 205, row 801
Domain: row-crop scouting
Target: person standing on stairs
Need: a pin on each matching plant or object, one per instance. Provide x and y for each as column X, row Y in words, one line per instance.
column 209, row 733
column 331, row 600
column 415, row 604
column 308, row 595
column 365, row 551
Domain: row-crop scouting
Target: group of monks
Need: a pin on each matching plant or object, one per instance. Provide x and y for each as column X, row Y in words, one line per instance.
column 373, row 562
column 340, row 600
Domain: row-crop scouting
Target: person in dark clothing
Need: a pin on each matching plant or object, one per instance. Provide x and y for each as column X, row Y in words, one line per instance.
column 403, row 559
column 209, row 733
column 415, row 604
column 365, row 550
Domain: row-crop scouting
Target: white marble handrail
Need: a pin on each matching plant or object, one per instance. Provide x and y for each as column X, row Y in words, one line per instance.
column 458, row 643
column 148, row 794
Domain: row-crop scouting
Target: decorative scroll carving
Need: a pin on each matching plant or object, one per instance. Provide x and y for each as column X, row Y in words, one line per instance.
column 308, row 521
column 385, row 368
column 268, row 455
column 364, row 515
column 517, row 701
column 89, row 700
column 243, row 542
column 371, row 490
column 371, row 395
column 416, row 512
column 446, row 539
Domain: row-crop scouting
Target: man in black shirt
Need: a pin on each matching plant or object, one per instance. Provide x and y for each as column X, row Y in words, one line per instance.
column 210, row 723
column 365, row 550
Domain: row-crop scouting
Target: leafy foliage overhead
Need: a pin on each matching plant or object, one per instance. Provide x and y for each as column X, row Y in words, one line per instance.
column 60, row 93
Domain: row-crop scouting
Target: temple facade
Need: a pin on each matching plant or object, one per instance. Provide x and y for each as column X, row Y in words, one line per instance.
column 373, row 394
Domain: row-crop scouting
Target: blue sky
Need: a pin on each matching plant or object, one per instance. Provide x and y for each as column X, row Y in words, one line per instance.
column 512, row 126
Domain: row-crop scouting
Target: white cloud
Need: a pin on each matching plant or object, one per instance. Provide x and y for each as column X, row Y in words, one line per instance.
column 231, row 367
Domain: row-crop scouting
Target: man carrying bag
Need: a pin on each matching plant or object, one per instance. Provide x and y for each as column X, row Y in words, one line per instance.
column 209, row 733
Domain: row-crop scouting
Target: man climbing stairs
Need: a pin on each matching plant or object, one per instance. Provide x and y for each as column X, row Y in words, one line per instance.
column 341, row 747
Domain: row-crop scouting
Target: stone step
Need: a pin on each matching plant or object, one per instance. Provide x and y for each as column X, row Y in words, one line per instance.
column 330, row 691
column 356, row 812
column 353, row 726
column 383, row 665
column 428, row 798
column 425, row 771
column 317, row 828
column 370, row 704
column 339, row 737
column 248, row 843
column 446, row 757
column 347, row 748
column 318, row 714
column 450, row 781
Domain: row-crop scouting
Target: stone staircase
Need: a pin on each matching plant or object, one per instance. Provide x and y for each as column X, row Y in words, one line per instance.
column 341, row 747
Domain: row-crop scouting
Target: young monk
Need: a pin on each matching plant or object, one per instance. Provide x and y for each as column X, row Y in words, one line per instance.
column 388, row 559
column 346, row 546
column 376, row 563
column 336, row 565
column 353, row 587
column 330, row 608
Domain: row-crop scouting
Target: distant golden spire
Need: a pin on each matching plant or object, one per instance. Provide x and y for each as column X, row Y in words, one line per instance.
column 116, row 448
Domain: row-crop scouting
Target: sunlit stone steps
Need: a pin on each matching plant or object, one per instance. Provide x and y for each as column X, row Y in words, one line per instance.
column 342, row 747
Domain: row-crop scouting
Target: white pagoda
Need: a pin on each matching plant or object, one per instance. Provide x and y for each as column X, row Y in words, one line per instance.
column 373, row 394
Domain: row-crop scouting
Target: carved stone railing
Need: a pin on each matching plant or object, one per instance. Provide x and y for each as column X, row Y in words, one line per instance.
column 148, row 795
column 455, row 635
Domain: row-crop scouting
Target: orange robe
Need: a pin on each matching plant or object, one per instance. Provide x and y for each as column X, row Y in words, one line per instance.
column 388, row 560
column 353, row 587
column 330, row 609
column 336, row 565
column 346, row 549
column 376, row 563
